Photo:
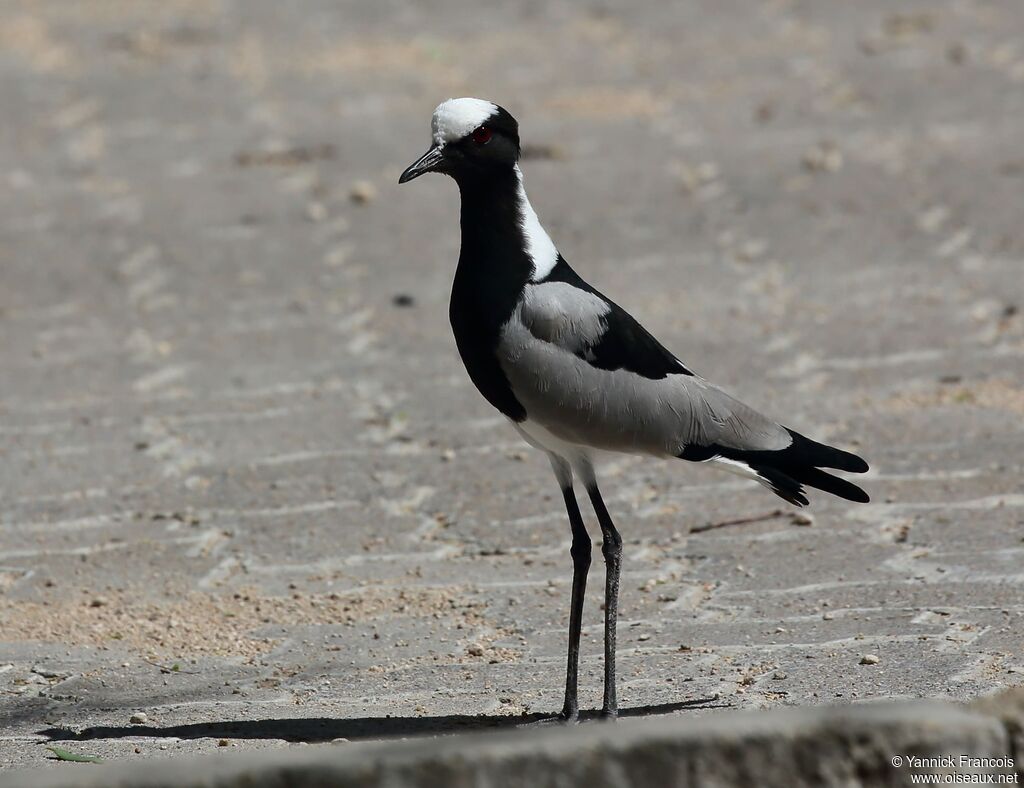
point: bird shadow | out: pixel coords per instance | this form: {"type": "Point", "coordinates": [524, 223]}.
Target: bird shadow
{"type": "Point", "coordinates": [324, 729]}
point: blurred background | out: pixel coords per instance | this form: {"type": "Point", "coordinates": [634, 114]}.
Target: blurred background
{"type": "Point", "coordinates": [246, 490]}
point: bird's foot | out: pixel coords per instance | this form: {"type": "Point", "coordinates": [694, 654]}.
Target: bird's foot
{"type": "Point", "coordinates": [609, 715]}
{"type": "Point", "coordinates": [566, 717]}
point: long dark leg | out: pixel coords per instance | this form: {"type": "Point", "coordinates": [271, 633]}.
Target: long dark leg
{"type": "Point", "coordinates": [580, 552]}
{"type": "Point", "coordinates": [611, 548]}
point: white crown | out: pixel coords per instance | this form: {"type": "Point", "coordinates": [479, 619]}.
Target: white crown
{"type": "Point", "coordinates": [455, 118]}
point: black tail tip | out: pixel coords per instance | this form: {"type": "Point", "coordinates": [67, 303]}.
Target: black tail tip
{"type": "Point", "coordinates": [795, 497]}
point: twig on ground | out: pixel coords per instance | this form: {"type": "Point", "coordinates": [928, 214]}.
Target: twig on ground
{"type": "Point", "coordinates": [699, 529]}
{"type": "Point", "coordinates": [175, 668]}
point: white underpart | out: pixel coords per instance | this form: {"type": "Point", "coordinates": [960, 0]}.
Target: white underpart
{"type": "Point", "coordinates": [539, 245]}
{"type": "Point", "coordinates": [579, 458]}
{"type": "Point", "coordinates": [455, 118]}
{"type": "Point", "coordinates": [740, 469]}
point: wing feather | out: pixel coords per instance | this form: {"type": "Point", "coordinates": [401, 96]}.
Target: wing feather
{"type": "Point", "coordinates": [591, 375]}
{"type": "Point", "coordinates": [606, 336]}
{"type": "Point", "coordinates": [557, 351]}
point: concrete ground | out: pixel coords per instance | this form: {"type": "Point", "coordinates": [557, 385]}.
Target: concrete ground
{"type": "Point", "coordinates": [247, 494]}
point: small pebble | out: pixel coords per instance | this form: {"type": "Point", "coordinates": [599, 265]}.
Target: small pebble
{"type": "Point", "coordinates": [824, 157]}
{"type": "Point", "coordinates": [475, 650]}
{"type": "Point", "coordinates": [827, 616]}
{"type": "Point", "coordinates": [644, 637]}
{"type": "Point", "coordinates": [869, 659]}
{"type": "Point", "coordinates": [316, 211]}
{"type": "Point", "coordinates": [222, 743]}
{"type": "Point", "coordinates": [751, 250]}
{"type": "Point", "coordinates": [779, 675]}
{"type": "Point", "coordinates": [363, 192]}
{"type": "Point", "coordinates": [802, 518]}
{"type": "Point", "coordinates": [956, 53]}
{"type": "Point", "coordinates": [138, 718]}
{"type": "Point", "coordinates": [932, 219]}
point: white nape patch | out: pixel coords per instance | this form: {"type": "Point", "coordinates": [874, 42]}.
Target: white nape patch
{"type": "Point", "coordinates": [539, 245]}
{"type": "Point", "coordinates": [455, 118]}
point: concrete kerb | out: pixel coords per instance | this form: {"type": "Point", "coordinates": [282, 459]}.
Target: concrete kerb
{"type": "Point", "coordinates": [829, 746]}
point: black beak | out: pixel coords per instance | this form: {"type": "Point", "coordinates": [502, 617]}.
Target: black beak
{"type": "Point", "coordinates": [428, 162]}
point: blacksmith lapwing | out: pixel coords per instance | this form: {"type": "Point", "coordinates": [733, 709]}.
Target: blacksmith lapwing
{"type": "Point", "coordinates": [576, 374]}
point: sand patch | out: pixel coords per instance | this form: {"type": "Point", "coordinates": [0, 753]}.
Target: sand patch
{"type": "Point", "coordinates": [194, 623]}
{"type": "Point", "coordinates": [992, 394]}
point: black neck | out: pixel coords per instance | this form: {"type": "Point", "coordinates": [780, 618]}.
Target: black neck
{"type": "Point", "coordinates": [493, 270]}
{"type": "Point", "coordinates": [492, 233]}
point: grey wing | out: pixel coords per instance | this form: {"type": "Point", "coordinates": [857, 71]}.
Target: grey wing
{"type": "Point", "coordinates": [548, 350]}
{"type": "Point", "coordinates": [718, 419]}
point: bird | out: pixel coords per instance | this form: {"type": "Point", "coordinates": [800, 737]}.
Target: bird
{"type": "Point", "coordinates": [577, 375]}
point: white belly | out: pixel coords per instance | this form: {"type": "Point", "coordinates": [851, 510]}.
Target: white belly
{"type": "Point", "coordinates": [541, 438]}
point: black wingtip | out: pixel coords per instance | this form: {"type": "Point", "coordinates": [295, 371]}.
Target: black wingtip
{"type": "Point", "coordinates": [856, 494]}
{"type": "Point", "coordinates": [855, 465]}
{"type": "Point", "coordinates": [789, 470]}
{"type": "Point", "coordinates": [786, 471]}
{"type": "Point", "coordinates": [805, 451]}
{"type": "Point", "coordinates": [819, 479]}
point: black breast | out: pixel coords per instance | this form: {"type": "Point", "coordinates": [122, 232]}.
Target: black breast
{"type": "Point", "coordinates": [493, 270]}
{"type": "Point", "coordinates": [477, 330]}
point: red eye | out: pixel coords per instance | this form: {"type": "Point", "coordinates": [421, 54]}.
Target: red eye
{"type": "Point", "coordinates": [482, 135]}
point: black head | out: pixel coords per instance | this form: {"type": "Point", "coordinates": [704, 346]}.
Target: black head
{"type": "Point", "coordinates": [472, 139]}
